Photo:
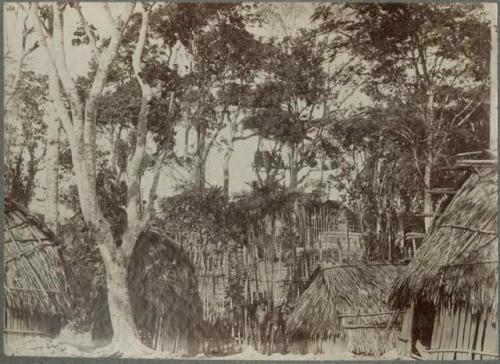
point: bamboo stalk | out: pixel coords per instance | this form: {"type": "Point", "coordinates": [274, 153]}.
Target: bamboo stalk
{"type": "Point", "coordinates": [469, 263]}
{"type": "Point", "coordinates": [361, 265]}
{"type": "Point", "coordinates": [477, 162]}
{"type": "Point", "coordinates": [489, 232]}
{"type": "Point", "coordinates": [462, 351]}
{"type": "Point", "coordinates": [442, 190]}
{"type": "Point", "coordinates": [369, 314]}
{"type": "Point", "coordinates": [364, 327]}
{"type": "Point", "coordinates": [25, 332]}
{"type": "Point", "coordinates": [32, 289]}
{"type": "Point", "coordinates": [469, 153]}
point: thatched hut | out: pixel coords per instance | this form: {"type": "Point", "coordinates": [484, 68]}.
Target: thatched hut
{"type": "Point", "coordinates": [164, 294]}
{"type": "Point", "coordinates": [37, 296]}
{"type": "Point", "coordinates": [449, 291]}
{"type": "Point", "coordinates": [345, 309]}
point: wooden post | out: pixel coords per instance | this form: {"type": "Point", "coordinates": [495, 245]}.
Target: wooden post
{"type": "Point", "coordinates": [245, 314]}
{"type": "Point", "coordinates": [405, 338]}
{"type": "Point", "coordinates": [348, 240]}
{"type": "Point", "coordinates": [494, 78]}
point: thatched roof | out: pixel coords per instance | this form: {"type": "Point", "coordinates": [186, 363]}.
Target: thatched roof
{"type": "Point", "coordinates": [36, 279]}
{"type": "Point", "coordinates": [457, 262]}
{"type": "Point", "coordinates": [163, 280]}
{"type": "Point", "coordinates": [339, 291]}
{"type": "Point", "coordinates": [164, 295]}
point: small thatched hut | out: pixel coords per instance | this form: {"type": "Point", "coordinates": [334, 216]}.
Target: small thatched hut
{"type": "Point", "coordinates": [37, 298]}
{"type": "Point", "coordinates": [345, 309]}
{"type": "Point", "coordinates": [449, 291]}
{"type": "Point", "coordinates": [164, 294]}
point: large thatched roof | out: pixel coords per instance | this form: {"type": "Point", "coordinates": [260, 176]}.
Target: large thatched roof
{"type": "Point", "coordinates": [340, 291]}
{"type": "Point", "coordinates": [457, 263]}
{"type": "Point", "coordinates": [163, 280]}
{"type": "Point", "coordinates": [36, 280]}
{"type": "Point", "coordinates": [164, 295]}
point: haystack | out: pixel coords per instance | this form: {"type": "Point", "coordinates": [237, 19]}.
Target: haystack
{"type": "Point", "coordinates": [455, 270]}
{"type": "Point", "coordinates": [164, 294]}
{"type": "Point", "coordinates": [346, 307]}
{"type": "Point", "coordinates": [37, 295]}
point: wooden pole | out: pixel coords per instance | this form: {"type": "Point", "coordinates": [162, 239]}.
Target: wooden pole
{"type": "Point", "coordinates": [404, 349]}
{"type": "Point", "coordinates": [494, 78]}
{"type": "Point", "coordinates": [461, 351]}
{"type": "Point", "coordinates": [245, 313]}
{"type": "Point", "coordinates": [370, 314]}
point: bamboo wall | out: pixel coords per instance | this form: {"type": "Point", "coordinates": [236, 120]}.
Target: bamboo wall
{"type": "Point", "coordinates": [363, 341]}
{"type": "Point", "coordinates": [20, 325]}
{"type": "Point", "coordinates": [459, 335]}
{"type": "Point", "coordinates": [269, 268]}
{"type": "Point", "coordinates": [319, 346]}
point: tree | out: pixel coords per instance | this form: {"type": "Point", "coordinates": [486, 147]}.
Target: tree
{"type": "Point", "coordinates": [52, 161]}
{"type": "Point", "coordinates": [223, 56]}
{"type": "Point", "coordinates": [25, 132]}
{"type": "Point", "coordinates": [429, 59]}
{"type": "Point", "coordinates": [17, 48]}
{"type": "Point", "coordinates": [300, 93]}
{"type": "Point", "coordinates": [235, 95]}
{"type": "Point", "coordinates": [374, 173]}
{"type": "Point", "coordinates": [79, 122]}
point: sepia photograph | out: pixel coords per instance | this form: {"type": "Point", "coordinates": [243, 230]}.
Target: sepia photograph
{"type": "Point", "coordinates": [250, 181]}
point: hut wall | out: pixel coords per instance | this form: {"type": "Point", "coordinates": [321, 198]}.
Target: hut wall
{"type": "Point", "coordinates": [174, 341]}
{"type": "Point", "coordinates": [371, 341]}
{"type": "Point", "coordinates": [317, 346]}
{"type": "Point", "coordinates": [212, 290]}
{"type": "Point", "coordinates": [18, 325]}
{"type": "Point", "coordinates": [458, 334]}
{"type": "Point", "coordinates": [365, 341]}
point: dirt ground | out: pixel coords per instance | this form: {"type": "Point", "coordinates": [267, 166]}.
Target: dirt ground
{"type": "Point", "coordinates": [72, 344]}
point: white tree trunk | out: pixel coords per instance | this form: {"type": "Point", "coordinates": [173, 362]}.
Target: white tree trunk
{"type": "Point", "coordinates": [52, 176]}
{"type": "Point", "coordinates": [227, 158]}
{"type": "Point", "coordinates": [225, 171]}
{"type": "Point", "coordinates": [199, 168]}
{"type": "Point", "coordinates": [80, 127]}
{"type": "Point", "coordinates": [494, 79]}
{"type": "Point", "coordinates": [294, 172]}
{"type": "Point", "coordinates": [428, 208]}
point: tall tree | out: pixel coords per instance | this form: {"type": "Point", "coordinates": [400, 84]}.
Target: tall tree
{"type": "Point", "coordinates": [222, 54]}
{"type": "Point", "coordinates": [299, 94]}
{"type": "Point", "coordinates": [52, 163]}
{"type": "Point", "coordinates": [430, 59]}
{"type": "Point", "coordinates": [375, 173]}
{"type": "Point", "coordinates": [79, 122]}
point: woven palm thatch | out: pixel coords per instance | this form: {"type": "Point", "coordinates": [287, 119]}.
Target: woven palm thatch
{"type": "Point", "coordinates": [457, 263]}
{"type": "Point", "coordinates": [164, 295]}
{"type": "Point", "coordinates": [36, 277]}
{"type": "Point", "coordinates": [341, 291]}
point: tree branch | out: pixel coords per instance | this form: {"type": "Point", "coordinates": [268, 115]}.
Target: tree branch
{"type": "Point", "coordinates": [466, 117]}
{"type": "Point", "coordinates": [10, 93]}
{"type": "Point", "coordinates": [90, 33]}
{"type": "Point", "coordinates": [244, 137]}
{"type": "Point", "coordinates": [134, 203]}
{"type": "Point", "coordinates": [154, 186]}
{"type": "Point", "coordinates": [60, 54]}
{"type": "Point", "coordinates": [110, 16]}
{"type": "Point", "coordinates": [140, 148]}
